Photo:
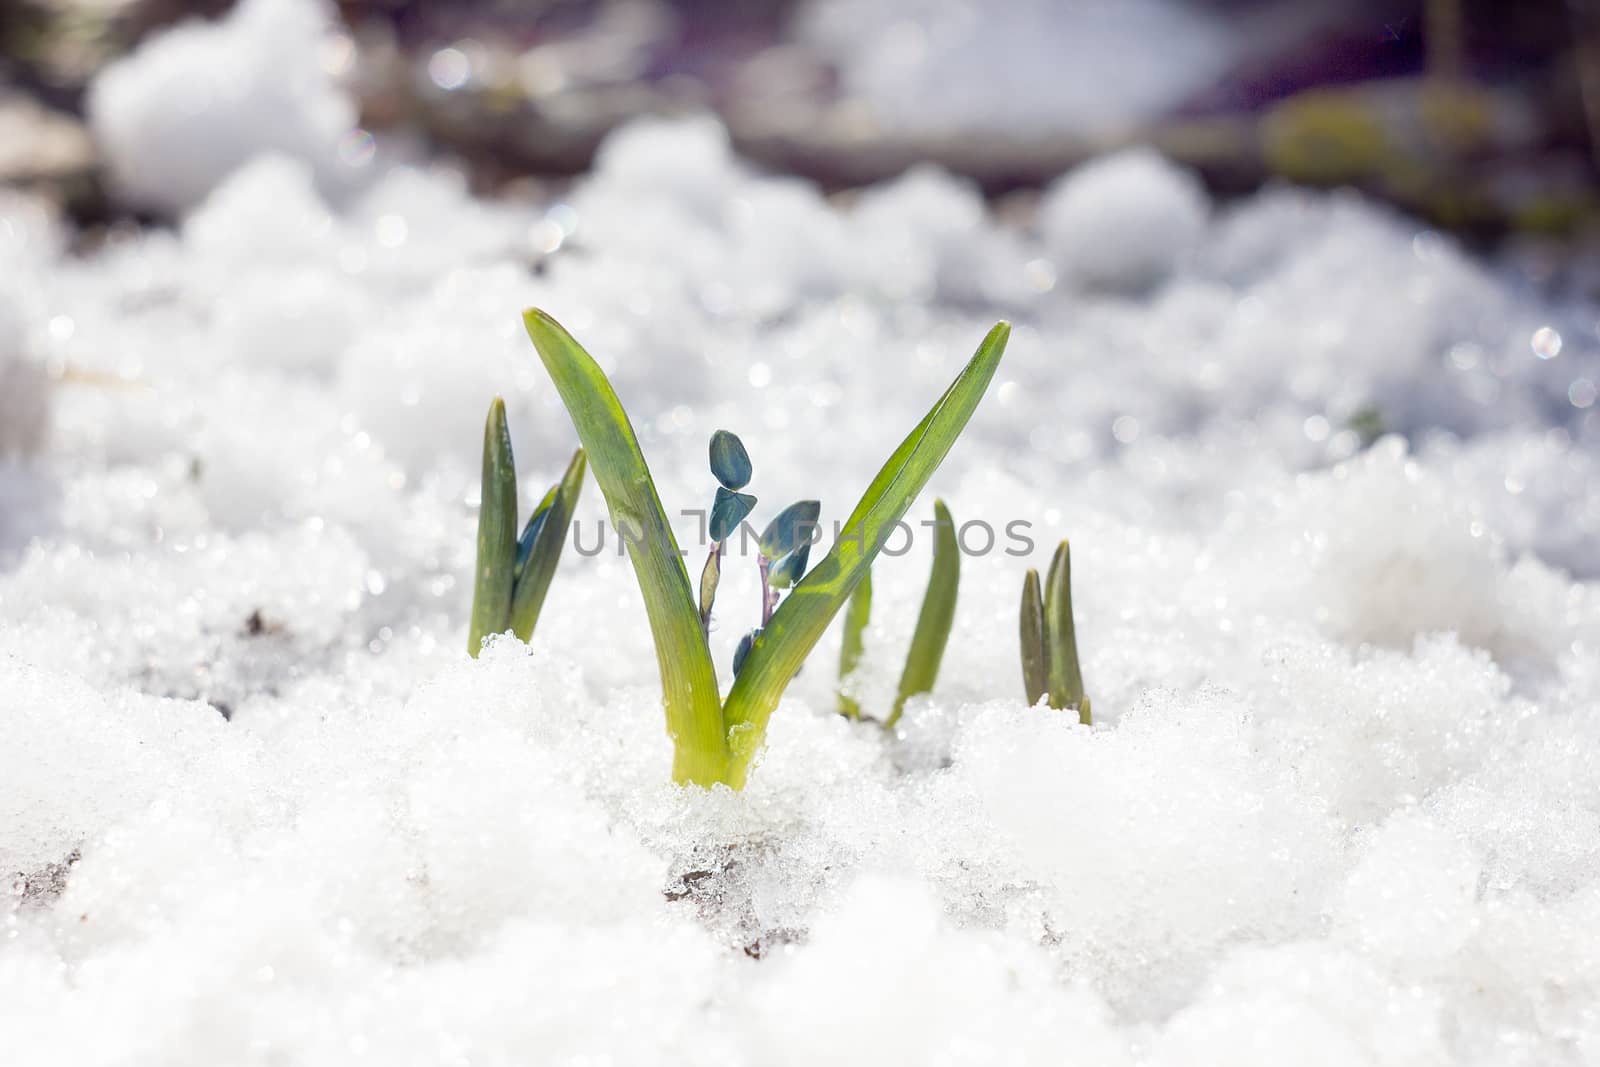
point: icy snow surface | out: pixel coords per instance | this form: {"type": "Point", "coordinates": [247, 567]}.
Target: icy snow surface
{"type": "Point", "coordinates": [1341, 804]}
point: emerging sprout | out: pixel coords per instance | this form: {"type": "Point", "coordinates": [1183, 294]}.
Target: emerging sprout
{"type": "Point", "coordinates": [513, 573]}
{"type": "Point", "coordinates": [497, 533]}
{"type": "Point", "coordinates": [932, 634]}
{"type": "Point", "coordinates": [1035, 656]}
{"type": "Point", "coordinates": [934, 620]}
{"type": "Point", "coordinates": [1049, 639]}
{"type": "Point", "coordinates": [717, 740]}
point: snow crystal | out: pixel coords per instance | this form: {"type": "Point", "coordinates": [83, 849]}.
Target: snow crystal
{"type": "Point", "coordinates": [1330, 514]}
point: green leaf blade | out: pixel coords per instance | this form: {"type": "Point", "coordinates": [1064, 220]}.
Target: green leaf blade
{"type": "Point", "coordinates": [938, 614]}
{"type": "Point", "coordinates": [497, 533]}
{"type": "Point", "coordinates": [1035, 658]}
{"type": "Point", "coordinates": [688, 680]}
{"type": "Point", "coordinates": [1065, 676]}
{"type": "Point", "coordinates": [549, 538]}
{"type": "Point", "coordinates": [856, 617]}
{"type": "Point", "coordinates": [800, 621]}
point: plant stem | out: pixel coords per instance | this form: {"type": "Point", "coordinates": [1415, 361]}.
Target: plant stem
{"type": "Point", "coordinates": [769, 595]}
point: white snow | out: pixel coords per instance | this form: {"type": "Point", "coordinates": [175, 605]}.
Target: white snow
{"type": "Point", "coordinates": [1124, 221]}
{"type": "Point", "coordinates": [1032, 68]}
{"type": "Point", "coordinates": [1341, 804]}
{"type": "Point", "coordinates": [187, 108]}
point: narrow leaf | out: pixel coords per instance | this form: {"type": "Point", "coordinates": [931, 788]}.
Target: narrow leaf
{"type": "Point", "coordinates": [805, 614]}
{"type": "Point", "coordinates": [1035, 660]}
{"type": "Point", "coordinates": [1066, 681]}
{"type": "Point", "coordinates": [688, 681]}
{"type": "Point", "coordinates": [710, 577]}
{"type": "Point", "coordinates": [856, 617]}
{"type": "Point", "coordinates": [794, 525]}
{"type": "Point", "coordinates": [497, 533]}
{"type": "Point", "coordinates": [791, 568]}
{"type": "Point", "coordinates": [934, 620]}
{"type": "Point", "coordinates": [728, 511]}
{"type": "Point", "coordinates": [550, 537]}
{"type": "Point", "coordinates": [729, 461]}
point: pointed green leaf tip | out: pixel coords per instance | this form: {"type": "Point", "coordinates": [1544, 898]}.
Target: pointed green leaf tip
{"type": "Point", "coordinates": [728, 511]}
{"type": "Point", "coordinates": [936, 617]}
{"type": "Point", "coordinates": [794, 525]}
{"type": "Point", "coordinates": [497, 533]}
{"type": "Point", "coordinates": [1035, 659]}
{"type": "Point", "coordinates": [729, 461]}
{"type": "Point", "coordinates": [1065, 678]}
{"type": "Point", "coordinates": [688, 679]}
{"type": "Point", "coordinates": [549, 536]}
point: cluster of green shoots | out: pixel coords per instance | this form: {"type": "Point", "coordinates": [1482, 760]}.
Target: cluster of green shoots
{"type": "Point", "coordinates": [717, 736]}
{"type": "Point", "coordinates": [1049, 639]}
{"type": "Point", "coordinates": [513, 573]}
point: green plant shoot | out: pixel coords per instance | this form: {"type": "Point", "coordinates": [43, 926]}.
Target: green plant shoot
{"type": "Point", "coordinates": [497, 533]}
{"type": "Point", "coordinates": [716, 741]}
{"type": "Point", "coordinates": [688, 680]}
{"type": "Point", "coordinates": [1049, 639]}
{"type": "Point", "coordinates": [938, 612]}
{"type": "Point", "coordinates": [513, 574]}
{"type": "Point", "coordinates": [1035, 652]}
{"type": "Point", "coordinates": [799, 622]}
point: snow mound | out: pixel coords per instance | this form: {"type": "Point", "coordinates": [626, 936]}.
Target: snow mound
{"type": "Point", "coordinates": [186, 109]}
{"type": "Point", "coordinates": [1124, 221]}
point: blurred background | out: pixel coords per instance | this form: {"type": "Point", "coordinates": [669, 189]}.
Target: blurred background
{"type": "Point", "coordinates": [1480, 116]}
